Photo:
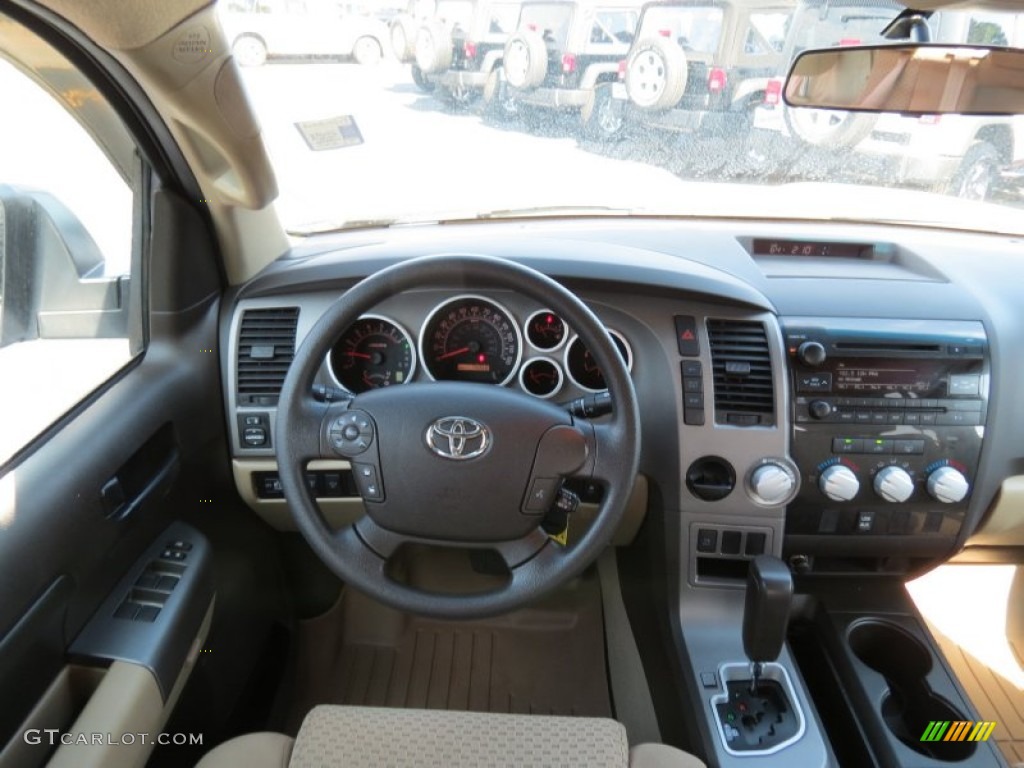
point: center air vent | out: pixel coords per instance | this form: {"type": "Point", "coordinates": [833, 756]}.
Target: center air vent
{"type": "Point", "coordinates": [742, 371]}
{"type": "Point", "coordinates": [266, 346]}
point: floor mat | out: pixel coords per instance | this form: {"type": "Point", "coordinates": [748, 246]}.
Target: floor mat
{"type": "Point", "coordinates": [964, 607]}
{"type": "Point", "coordinates": [993, 696]}
{"type": "Point", "coordinates": [548, 659]}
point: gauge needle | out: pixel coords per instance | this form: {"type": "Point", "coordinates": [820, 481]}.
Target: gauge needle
{"type": "Point", "coordinates": [358, 354]}
{"type": "Point", "coordinates": [453, 353]}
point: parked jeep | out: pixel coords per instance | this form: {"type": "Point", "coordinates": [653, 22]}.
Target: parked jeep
{"type": "Point", "coordinates": [403, 27]}
{"type": "Point", "coordinates": [704, 64]}
{"type": "Point", "coordinates": [424, 34]}
{"type": "Point", "coordinates": [565, 55]}
{"type": "Point", "coordinates": [948, 154]}
{"type": "Point", "coordinates": [464, 61]}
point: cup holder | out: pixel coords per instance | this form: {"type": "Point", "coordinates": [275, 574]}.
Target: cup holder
{"type": "Point", "coordinates": [891, 651]}
{"type": "Point", "coordinates": [910, 704]}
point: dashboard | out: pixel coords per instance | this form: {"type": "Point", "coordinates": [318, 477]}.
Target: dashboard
{"type": "Point", "coordinates": [827, 394]}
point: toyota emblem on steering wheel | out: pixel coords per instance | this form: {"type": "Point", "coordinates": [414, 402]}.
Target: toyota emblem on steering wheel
{"type": "Point", "coordinates": [458, 438]}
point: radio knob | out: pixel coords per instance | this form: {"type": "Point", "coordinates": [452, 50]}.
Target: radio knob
{"type": "Point", "coordinates": [894, 484]}
{"type": "Point", "coordinates": [820, 409]}
{"type": "Point", "coordinates": [772, 484]}
{"type": "Point", "coordinates": [948, 485]}
{"type": "Point", "coordinates": [839, 483]}
{"type": "Point", "coordinates": [811, 353]}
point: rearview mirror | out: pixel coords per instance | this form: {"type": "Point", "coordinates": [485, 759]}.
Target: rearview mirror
{"type": "Point", "coordinates": [910, 79]}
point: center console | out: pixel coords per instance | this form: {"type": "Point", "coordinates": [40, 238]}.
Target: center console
{"type": "Point", "coordinates": [888, 422]}
{"type": "Point", "coordinates": [883, 432]}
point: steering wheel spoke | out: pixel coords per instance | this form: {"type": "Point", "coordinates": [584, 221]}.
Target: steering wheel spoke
{"type": "Point", "coordinates": [518, 552]}
{"type": "Point", "coordinates": [377, 539]}
{"type": "Point", "coordinates": [302, 429]}
{"type": "Point", "coordinates": [604, 462]}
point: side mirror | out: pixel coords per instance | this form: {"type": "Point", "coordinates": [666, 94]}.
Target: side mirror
{"type": "Point", "coordinates": [51, 273]}
{"type": "Point", "coordinates": [909, 79]}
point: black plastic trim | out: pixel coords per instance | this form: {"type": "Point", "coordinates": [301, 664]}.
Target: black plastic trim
{"type": "Point", "coordinates": [161, 645]}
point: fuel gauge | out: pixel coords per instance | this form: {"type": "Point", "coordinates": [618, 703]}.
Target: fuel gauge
{"type": "Point", "coordinates": [545, 330]}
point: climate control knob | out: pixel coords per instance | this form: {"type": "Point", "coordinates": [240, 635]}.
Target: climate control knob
{"type": "Point", "coordinates": [839, 483]}
{"type": "Point", "coordinates": [894, 484]}
{"type": "Point", "coordinates": [948, 485]}
{"type": "Point", "coordinates": [772, 484]}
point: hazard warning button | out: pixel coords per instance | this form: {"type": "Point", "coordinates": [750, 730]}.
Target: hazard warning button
{"type": "Point", "coordinates": [686, 335]}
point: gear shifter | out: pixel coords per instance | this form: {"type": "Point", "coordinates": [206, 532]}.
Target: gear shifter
{"type": "Point", "coordinates": [765, 612]}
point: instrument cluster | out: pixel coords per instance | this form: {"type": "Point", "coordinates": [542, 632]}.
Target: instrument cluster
{"type": "Point", "coordinates": [470, 338]}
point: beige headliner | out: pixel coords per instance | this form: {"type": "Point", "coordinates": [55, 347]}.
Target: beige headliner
{"type": "Point", "coordinates": [125, 24]}
{"type": "Point", "coordinates": [178, 53]}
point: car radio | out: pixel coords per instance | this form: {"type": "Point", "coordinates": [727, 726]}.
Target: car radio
{"type": "Point", "coordinates": [888, 421]}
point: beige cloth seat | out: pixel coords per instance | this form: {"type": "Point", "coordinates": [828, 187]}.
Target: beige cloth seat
{"type": "Point", "coordinates": [369, 737]}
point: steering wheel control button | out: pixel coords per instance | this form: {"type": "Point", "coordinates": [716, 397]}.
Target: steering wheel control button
{"type": "Point", "coordinates": [686, 335]}
{"type": "Point", "coordinates": [368, 482]}
{"type": "Point", "coordinates": [458, 438]}
{"type": "Point", "coordinates": [542, 494]}
{"type": "Point", "coordinates": [351, 433]}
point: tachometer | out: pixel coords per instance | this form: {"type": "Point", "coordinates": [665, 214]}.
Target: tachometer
{"type": "Point", "coordinates": [372, 352]}
{"type": "Point", "coordinates": [470, 338]}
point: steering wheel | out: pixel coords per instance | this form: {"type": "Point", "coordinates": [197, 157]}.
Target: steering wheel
{"type": "Point", "coordinates": [455, 464]}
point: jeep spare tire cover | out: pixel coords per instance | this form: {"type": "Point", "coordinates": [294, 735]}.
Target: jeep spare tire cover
{"type": "Point", "coordinates": [403, 37]}
{"type": "Point", "coordinates": [829, 127]}
{"type": "Point", "coordinates": [656, 73]}
{"type": "Point", "coordinates": [434, 47]}
{"type": "Point", "coordinates": [525, 59]}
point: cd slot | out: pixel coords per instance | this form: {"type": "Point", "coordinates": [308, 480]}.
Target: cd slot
{"type": "Point", "coordinates": [869, 347]}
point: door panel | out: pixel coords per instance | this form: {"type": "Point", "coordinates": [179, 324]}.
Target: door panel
{"type": "Point", "coordinates": [60, 552]}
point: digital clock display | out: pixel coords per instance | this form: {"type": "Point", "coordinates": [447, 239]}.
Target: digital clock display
{"type": "Point", "coordinates": [811, 249]}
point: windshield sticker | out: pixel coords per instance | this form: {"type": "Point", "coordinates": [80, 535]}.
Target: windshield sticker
{"type": "Point", "coordinates": [332, 133]}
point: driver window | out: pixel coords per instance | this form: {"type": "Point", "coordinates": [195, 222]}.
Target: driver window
{"type": "Point", "coordinates": [66, 218]}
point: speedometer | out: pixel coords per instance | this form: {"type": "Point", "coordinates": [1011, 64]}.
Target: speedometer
{"type": "Point", "coordinates": [471, 338]}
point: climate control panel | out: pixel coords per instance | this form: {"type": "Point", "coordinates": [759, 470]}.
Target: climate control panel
{"type": "Point", "coordinates": [888, 424]}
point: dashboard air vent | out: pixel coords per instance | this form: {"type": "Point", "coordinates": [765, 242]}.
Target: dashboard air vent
{"type": "Point", "coordinates": [742, 369]}
{"type": "Point", "coordinates": [266, 346]}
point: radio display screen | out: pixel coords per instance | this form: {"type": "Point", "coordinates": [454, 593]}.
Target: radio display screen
{"type": "Point", "coordinates": [867, 375]}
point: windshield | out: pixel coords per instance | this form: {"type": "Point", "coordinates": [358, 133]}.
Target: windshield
{"type": "Point", "coordinates": [377, 115]}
